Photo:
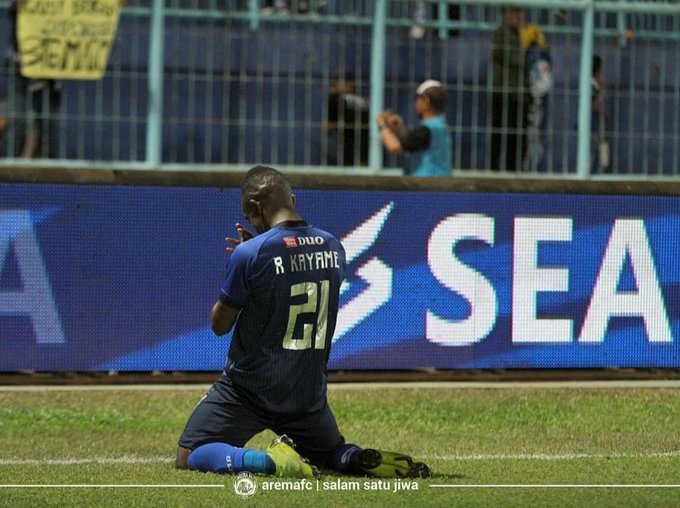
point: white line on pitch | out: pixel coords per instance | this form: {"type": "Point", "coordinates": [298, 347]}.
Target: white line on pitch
{"type": "Point", "coordinates": [110, 486]}
{"type": "Point", "coordinates": [106, 388]}
{"type": "Point", "coordinates": [486, 385]}
{"type": "Point", "coordinates": [86, 460]}
{"type": "Point", "coordinates": [560, 486]}
{"type": "Point", "coordinates": [558, 456]}
{"type": "Point", "coordinates": [158, 460]}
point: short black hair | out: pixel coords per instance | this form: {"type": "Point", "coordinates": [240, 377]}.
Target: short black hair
{"type": "Point", "coordinates": [263, 183]}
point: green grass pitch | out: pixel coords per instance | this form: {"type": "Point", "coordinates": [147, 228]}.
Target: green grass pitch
{"type": "Point", "coordinates": [491, 447]}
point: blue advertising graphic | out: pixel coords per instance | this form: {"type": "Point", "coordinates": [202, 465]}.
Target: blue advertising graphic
{"type": "Point", "coordinates": [111, 277]}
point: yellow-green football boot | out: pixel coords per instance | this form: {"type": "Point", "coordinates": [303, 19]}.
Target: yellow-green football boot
{"type": "Point", "coordinates": [382, 464]}
{"type": "Point", "coordinates": [288, 462]}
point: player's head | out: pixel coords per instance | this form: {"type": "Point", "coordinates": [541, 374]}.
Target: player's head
{"type": "Point", "coordinates": [430, 98]}
{"type": "Point", "coordinates": [264, 193]}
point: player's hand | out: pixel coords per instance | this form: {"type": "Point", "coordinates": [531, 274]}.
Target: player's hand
{"type": "Point", "coordinates": [243, 236]}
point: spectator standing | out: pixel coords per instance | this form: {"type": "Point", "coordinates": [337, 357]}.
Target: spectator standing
{"type": "Point", "coordinates": [17, 135]}
{"type": "Point", "coordinates": [417, 30]}
{"type": "Point", "coordinates": [509, 100]}
{"type": "Point", "coordinates": [538, 67]}
{"type": "Point", "coordinates": [428, 146]}
{"type": "Point", "coordinates": [33, 103]}
{"type": "Point", "coordinates": [599, 146]}
{"type": "Point", "coordinates": [347, 126]}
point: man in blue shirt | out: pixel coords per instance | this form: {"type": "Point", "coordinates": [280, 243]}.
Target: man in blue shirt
{"type": "Point", "coordinates": [428, 146]}
{"type": "Point", "coordinates": [281, 292]}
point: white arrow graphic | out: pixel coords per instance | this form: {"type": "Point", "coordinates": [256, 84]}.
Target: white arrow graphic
{"type": "Point", "coordinates": [375, 272]}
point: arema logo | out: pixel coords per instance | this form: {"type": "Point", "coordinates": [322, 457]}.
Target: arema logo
{"type": "Point", "coordinates": [245, 484]}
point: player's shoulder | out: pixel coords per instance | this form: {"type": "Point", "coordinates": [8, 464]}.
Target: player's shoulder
{"type": "Point", "coordinates": [322, 233]}
{"type": "Point", "coordinates": [267, 243]}
{"type": "Point", "coordinates": [289, 236]}
{"type": "Point", "coordinates": [302, 228]}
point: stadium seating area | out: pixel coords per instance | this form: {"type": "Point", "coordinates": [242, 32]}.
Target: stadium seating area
{"type": "Point", "coordinates": [234, 95]}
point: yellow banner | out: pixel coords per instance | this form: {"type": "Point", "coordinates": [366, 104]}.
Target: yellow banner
{"type": "Point", "coordinates": [66, 39]}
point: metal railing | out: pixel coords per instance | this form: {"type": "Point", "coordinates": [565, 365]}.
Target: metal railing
{"type": "Point", "coordinates": [223, 84]}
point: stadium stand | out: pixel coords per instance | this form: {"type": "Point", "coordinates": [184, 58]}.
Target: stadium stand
{"type": "Point", "coordinates": [241, 87]}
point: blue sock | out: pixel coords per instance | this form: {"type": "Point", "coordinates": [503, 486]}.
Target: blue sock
{"type": "Point", "coordinates": [344, 458]}
{"type": "Point", "coordinates": [257, 461]}
{"type": "Point", "coordinates": [224, 458]}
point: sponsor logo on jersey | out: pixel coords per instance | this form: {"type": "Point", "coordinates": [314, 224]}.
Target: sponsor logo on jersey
{"type": "Point", "coordinates": [296, 241]}
{"type": "Point", "coordinates": [290, 241]}
{"type": "Point", "coordinates": [310, 240]}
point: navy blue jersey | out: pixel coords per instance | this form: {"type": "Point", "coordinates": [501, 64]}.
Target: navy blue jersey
{"type": "Point", "coordinates": [286, 282]}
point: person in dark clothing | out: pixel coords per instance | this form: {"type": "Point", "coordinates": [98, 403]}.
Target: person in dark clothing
{"type": "Point", "coordinates": [347, 127]}
{"type": "Point", "coordinates": [510, 99]}
{"type": "Point", "coordinates": [599, 146]}
{"type": "Point", "coordinates": [280, 295]}
{"type": "Point", "coordinates": [32, 104]}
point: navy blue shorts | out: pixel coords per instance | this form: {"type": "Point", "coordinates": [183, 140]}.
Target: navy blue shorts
{"type": "Point", "coordinates": [221, 417]}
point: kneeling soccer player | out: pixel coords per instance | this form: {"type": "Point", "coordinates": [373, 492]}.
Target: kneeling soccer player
{"type": "Point", "coordinates": [281, 290]}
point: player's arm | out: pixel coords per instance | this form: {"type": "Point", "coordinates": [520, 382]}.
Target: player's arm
{"type": "Point", "coordinates": [235, 289]}
{"type": "Point", "coordinates": [222, 318]}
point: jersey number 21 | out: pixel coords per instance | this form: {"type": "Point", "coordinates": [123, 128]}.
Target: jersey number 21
{"type": "Point", "coordinates": [317, 303]}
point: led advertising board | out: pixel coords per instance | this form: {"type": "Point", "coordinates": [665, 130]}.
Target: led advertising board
{"type": "Point", "coordinates": [123, 277]}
